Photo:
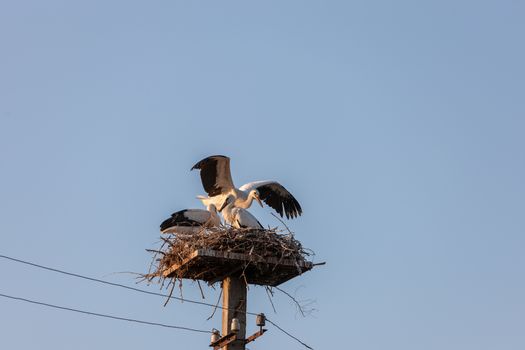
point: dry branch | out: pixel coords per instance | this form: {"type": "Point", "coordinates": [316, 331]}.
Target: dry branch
{"type": "Point", "coordinates": [261, 246]}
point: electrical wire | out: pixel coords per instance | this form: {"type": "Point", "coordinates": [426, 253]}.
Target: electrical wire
{"type": "Point", "coordinates": [288, 334]}
{"type": "Point", "coordinates": [117, 284]}
{"type": "Point", "coordinates": [103, 315]}
{"type": "Point", "coordinates": [133, 289]}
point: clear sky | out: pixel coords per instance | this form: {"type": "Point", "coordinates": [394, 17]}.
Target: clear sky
{"type": "Point", "coordinates": [399, 126]}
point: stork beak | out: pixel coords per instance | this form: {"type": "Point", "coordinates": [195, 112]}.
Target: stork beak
{"type": "Point", "coordinates": [259, 201]}
{"type": "Point", "coordinates": [226, 202]}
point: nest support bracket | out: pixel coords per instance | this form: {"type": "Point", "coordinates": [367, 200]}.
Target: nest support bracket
{"type": "Point", "coordinates": [213, 266]}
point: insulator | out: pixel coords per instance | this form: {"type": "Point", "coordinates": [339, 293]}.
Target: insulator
{"type": "Point", "coordinates": [215, 335]}
{"type": "Point", "coordinates": [260, 320]}
{"type": "Point", "coordinates": [235, 326]}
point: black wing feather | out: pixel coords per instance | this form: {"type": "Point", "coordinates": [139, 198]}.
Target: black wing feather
{"type": "Point", "coordinates": [283, 205]}
{"type": "Point", "coordinates": [178, 219]}
{"type": "Point", "coordinates": [208, 172]}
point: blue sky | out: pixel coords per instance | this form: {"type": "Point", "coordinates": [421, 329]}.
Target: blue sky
{"type": "Point", "coordinates": [398, 126]}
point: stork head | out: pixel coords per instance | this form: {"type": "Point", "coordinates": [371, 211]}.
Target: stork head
{"type": "Point", "coordinates": [211, 208]}
{"type": "Point", "coordinates": [255, 195]}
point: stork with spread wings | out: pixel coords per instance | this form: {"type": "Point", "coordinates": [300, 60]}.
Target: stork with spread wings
{"type": "Point", "coordinates": [217, 182]}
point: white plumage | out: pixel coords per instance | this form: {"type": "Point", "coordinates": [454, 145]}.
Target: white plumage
{"type": "Point", "coordinates": [217, 182]}
{"type": "Point", "coordinates": [238, 217]}
{"type": "Point", "coordinates": [189, 221]}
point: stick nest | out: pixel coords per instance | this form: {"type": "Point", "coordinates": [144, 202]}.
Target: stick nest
{"type": "Point", "coordinates": [265, 243]}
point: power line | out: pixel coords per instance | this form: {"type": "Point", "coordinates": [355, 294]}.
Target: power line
{"type": "Point", "coordinates": [115, 284]}
{"type": "Point", "coordinates": [136, 290]}
{"type": "Point", "coordinates": [288, 334]}
{"type": "Point", "coordinates": [103, 315]}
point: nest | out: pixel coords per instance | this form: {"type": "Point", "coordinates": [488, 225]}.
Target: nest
{"type": "Point", "coordinates": [263, 253]}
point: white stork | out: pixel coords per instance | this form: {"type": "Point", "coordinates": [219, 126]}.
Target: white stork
{"type": "Point", "coordinates": [238, 217]}
{"type": "Point", "coordinates": [190, 221]}
{"type": "Point", "coordinates": [217, 182]}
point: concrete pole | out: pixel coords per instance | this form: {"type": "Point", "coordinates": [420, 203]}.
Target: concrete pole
{"type": "Point", "coordinates": [234, 293]}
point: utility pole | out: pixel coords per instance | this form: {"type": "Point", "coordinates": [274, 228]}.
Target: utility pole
{"type": "Point", "coordinates": [234, 293]}
{"type": "Point", "coordinates": [213, 266]}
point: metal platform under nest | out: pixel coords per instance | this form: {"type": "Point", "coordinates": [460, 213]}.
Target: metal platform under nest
{"type": "Point", "coordinates": [214, 266]}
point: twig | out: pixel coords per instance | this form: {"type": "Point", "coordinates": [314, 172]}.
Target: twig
{"type": "Point", "coordinates": [297, 304]}
{"type": "Point", "coordinates": [170, 293]}
{"type": "Point", "coordinates": [275, 243]}
{"type": "Point", "coordinates": [180, 289]}
{"type": "Point", "coordinates": [216, 305]}
{"type": "Point", "coordinates": [202, 293]}
{"type": "Point", "coordinates": [270, 298]}
{"type": "Point", "coordinates": [302, 306]}
{"type": "Point", "coordinates": [282, 222]}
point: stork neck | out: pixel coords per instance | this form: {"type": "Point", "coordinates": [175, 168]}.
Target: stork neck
{"type": "Point", "coordinates": [246, 202]}
{"type": "Point", "coordinates": [227, 212]}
